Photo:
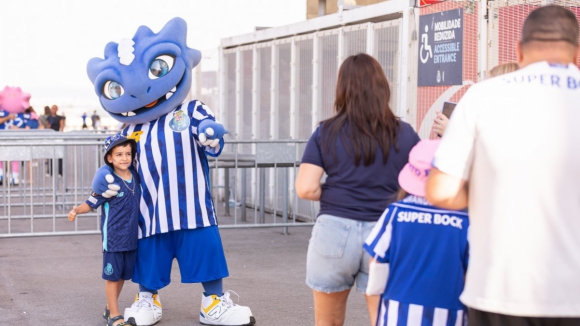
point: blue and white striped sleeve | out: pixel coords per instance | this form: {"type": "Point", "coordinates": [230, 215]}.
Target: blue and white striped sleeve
{"type": "Point", "coordinates": [203, 112]}
{"type": "Point", "coordinates": [379, 240]}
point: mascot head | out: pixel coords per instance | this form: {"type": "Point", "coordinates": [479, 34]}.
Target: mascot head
{"type": "Point", "coordinates": [13, 100]}
{"type": "Point", "coordinates": [146, 77]}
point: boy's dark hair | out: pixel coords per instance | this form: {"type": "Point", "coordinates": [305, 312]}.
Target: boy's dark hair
{"type": "Point", "coordinates": [131, 143]}
{"type": "Point", "coordinates": [550, 24]}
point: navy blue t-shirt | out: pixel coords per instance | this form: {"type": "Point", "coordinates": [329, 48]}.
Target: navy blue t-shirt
{"type": "Point", "coordinates": [120, 215]}
{"type": "Point", "coordinates": [359, 192]}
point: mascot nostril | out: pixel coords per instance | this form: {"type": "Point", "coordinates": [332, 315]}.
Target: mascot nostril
{"type": "Point", "coordinates": [173, 140]}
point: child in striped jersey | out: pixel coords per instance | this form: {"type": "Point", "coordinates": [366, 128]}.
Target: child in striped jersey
{"type": "Point", "coordinates": [426, 249]}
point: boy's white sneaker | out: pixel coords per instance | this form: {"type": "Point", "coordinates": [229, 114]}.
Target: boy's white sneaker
{"type": "Point", "coordinates": [223, 311]}
{"type": "Point", "coordinates": [146, 309]}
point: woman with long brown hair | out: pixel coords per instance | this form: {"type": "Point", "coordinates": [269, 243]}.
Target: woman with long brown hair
{"type": "Point", "coordinates": [362, 149]}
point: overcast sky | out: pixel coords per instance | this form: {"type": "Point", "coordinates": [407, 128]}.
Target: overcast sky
{"type": "Point", "coordinates": [45, 45]}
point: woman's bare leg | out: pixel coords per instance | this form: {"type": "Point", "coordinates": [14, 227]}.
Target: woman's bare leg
{"type": "Point", "coordinates": [330, 308]}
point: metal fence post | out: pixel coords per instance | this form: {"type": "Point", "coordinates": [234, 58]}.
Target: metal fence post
{"type": "Point", "coordinates": [243, 200]}
{"type": "Point", "coordinates": [54, 187]}
{"type": "Point", "coordinates": [227, 190]}
{"type": "Point", "coordinates": [371, 40]}
{"type": "Point", "coordinates": [340, 55]}
{"type": "Point", "coordinates": [285, 201]}
{"type": "Point", "coordinates": [262, 193]}
{"type": "Point", "coordinates": [316, 80]}
{"type": "Point", "coordinates": [483, 45]}
{"type": "Point", "coordinates": [404, 50]}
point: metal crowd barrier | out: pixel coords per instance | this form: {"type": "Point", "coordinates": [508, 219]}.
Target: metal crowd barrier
{"type": "Point", "coordinates": [252, 183]}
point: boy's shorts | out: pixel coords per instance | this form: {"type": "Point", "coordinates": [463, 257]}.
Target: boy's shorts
{"type": "Point", "coordinates": [118, 265]}
{"type": "Point", "coordinates": [199, 253]}
{"type": "Point", "coordinates": [336, 258]}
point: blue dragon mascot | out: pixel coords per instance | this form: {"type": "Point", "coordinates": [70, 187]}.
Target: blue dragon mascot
{"type": "Point", "coordinates": [143, 82]}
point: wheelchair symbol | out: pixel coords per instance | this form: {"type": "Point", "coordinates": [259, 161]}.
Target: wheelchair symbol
{"type": "Point", "coordinates": [425, 46]}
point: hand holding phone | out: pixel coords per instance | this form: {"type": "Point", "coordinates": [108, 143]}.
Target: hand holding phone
{"type": "Point", "coordinates": [440, 123]}
{"type": "Point", "coordinates": [443, 117]}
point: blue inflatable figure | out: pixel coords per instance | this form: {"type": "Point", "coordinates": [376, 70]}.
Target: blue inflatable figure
{"type": "Point", "coordinates": [143, 83]}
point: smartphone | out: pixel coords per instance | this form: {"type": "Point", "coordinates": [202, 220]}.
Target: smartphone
{"type": "Point", "coordinates": [448, 108]}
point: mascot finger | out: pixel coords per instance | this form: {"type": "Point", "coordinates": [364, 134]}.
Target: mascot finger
{"type": "Point", "coordinates": [202, 138]}
{"type": "Point", "coordinates": [209, 132]}
{"type": "Point", "coordinates": [109, 178]}
{"type": "Point", "coordinates": [114, 187]}
{"type": "Point", "coordinates": [110, 193]}
{"type": "Point", "coordinates": [214, 143]}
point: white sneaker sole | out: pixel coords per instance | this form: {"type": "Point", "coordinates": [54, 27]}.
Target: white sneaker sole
{"type": "Point", "coordinates": [141, 319]}
{"type": "Point", "coordinates": [207, 322]}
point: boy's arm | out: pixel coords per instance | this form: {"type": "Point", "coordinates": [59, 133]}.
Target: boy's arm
{"type": "Point", "coordinates": [81, 209]}
{"type": "Point", "coordinates": [93, 202]}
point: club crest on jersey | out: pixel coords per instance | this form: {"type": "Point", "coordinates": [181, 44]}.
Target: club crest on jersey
{"type": "Point", "coordinates": [179, 122]}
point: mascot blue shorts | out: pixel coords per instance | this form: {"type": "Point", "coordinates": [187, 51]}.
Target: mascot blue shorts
{"type": "Point", "coordinates": [143, 83]}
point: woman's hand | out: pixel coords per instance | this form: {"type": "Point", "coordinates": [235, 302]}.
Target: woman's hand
{"type": "Point", "coordinates": [440, 123]}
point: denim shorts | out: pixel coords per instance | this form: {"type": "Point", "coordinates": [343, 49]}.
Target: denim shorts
{"type": "Point", "coordinates": [336, 257]}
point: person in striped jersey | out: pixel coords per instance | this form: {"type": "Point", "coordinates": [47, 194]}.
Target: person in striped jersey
{"type": "Point", "coordinates": [426, 249]}
{"type": "Point", "coordinates": [143, 83]}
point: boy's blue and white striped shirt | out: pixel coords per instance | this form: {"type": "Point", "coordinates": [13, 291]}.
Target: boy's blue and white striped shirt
{"type": "Point", "coordinates": [394, 313]}
{"type": "Point", "coordinates": [174, 171]}
{"type": "Point", "coordinates": [427, 251]}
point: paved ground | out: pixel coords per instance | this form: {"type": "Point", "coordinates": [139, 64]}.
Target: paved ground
{"type": "Point", "coordinates": [56, 281]}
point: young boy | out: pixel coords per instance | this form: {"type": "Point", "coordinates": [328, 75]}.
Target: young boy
{"type": "Point", "coordinates": [119, 223]}
{"type": "Point", "coordinates": [427, 251]}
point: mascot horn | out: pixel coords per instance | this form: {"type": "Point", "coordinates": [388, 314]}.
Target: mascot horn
{"type": "Point", "coordinates": [143, 83]}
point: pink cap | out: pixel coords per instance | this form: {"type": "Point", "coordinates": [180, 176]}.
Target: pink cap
{"type": "Point", "coordinates": [414, 175]}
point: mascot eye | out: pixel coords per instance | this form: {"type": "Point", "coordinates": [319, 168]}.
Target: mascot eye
{"type": "Point", "coordinates": [112, 90]}
{"type": "Point", "coordinates": [161, 66]}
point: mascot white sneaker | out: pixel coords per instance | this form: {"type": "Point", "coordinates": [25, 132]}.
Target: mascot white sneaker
{"type": "Point", "coordinates": [146, 310]}
{"type": "Point", "coordinates": [222, 311]}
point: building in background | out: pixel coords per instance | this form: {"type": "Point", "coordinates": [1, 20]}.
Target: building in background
{"type": "Point", "coordinates": [317, 8]}
{"type": "Point", "coordinates": [279, 83]}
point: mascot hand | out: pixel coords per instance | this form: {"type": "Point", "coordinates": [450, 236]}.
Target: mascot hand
{"type": "Point", "coordinates": [210, 132]}
{"type": "Point", "coordinates": [103, 182]}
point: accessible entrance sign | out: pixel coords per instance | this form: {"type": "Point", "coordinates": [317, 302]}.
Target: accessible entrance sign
{"type": "Point", "coordinates": [441, 48]}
